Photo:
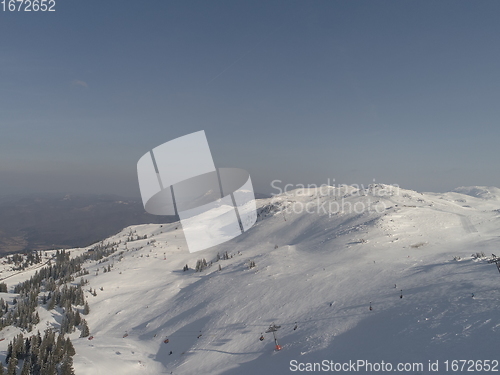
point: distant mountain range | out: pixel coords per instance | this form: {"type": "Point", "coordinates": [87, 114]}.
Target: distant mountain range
{"type": "Point", "coordinates": [50, 221]}
{"type": "Point", "coordinates": [56, 221]}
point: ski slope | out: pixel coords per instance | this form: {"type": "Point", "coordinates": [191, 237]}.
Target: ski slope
{"type": "Point", "coordinates": [316, 271]}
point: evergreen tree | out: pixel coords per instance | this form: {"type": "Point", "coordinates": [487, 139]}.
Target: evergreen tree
{"type": "Point", "coordinates": [67, 366]}
{"type": "Point", "coordinates": [26, 366]}
{"type": "Point", "coordinates": [12, 367]}
{"type": "Point", "coordinates": [84, 328]}
{"type": "Point", "coordinates": [52, 302]}
{"type": "Point", "coordinates": [9, 353]}
{"type": "Point", "coordinates": [69, 348]}
{"type": "Point", "coordinates": [59, 349]}
{"type": "Point", "coordinates": [50, 365]}
{"type": "Point", "coordinates": [27, 347]}
{"type": "Point", "coordinates": [36, 318]}
{"type": "Point", "coordinates": [65, 325]}
{"type": "Point", "coordinates": [77, 319]}
{"type": "Point", "coordinates": [86, 308]}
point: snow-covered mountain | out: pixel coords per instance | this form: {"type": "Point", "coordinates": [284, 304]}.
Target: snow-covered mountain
{"type": "Point", "coordinates": [322, 258]}
{"type": "Point", "coordinates": [485, 192]}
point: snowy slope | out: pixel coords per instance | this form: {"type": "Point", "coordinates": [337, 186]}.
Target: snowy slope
{"type": "Point", "coordinates": [485, 192]}
{"type": "Point", "coordinates": [323, 274]}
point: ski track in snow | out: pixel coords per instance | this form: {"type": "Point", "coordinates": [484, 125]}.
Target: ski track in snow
{"type": "Point", "coordinates": [468, 227]}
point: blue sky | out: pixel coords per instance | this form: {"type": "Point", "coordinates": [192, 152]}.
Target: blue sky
{"type": "Point", "coordinates": [402, 92]}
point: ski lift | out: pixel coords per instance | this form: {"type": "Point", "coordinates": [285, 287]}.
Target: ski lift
{"type": "Point", "coordinates": [273, 328]}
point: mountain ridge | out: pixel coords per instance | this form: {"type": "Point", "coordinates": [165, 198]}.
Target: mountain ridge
{"type": "Point", "coordinates": [319, 272]}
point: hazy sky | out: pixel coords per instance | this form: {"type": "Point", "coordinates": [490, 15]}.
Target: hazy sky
{"type": "Point", "coordinates": [403, 92]}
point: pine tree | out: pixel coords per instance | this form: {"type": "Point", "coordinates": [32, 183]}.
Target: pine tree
{"type": "Point", "coordinates": [26, 366]}
{"type": "Point", "coordinates": [18, 346]}
{"type": "Point", "coordinates": [77, 319]}
{"type": "Point", "coordinates": [36, 318]}
{"type": "Point", "coordinates": [86, 308]}
{"type": "Point", "coordinates": [84, 328]}
{"type": "Point", "coordinates": [50, 365]}
{"type": "Point", "coordinates": [65, 325]}
{"type": "Point", "coordinates": [34, 355]}
{"type": "Point", "coordinates": [27, 347]}
{"type": "Point", "coordinates": [9, 353]}
{"type": "Point", "coordinates": [69, 348]}
{"type": "Point", "coordinates": [59, 349]}
{"type": "Point", "coordinates": [52, 302]}
{"type": "Point", "coordinates": [2, 369]}
{"type": "Point", "coordinates": [67, 366]}
{"type": "Point", "coordinates": [12, 367]}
